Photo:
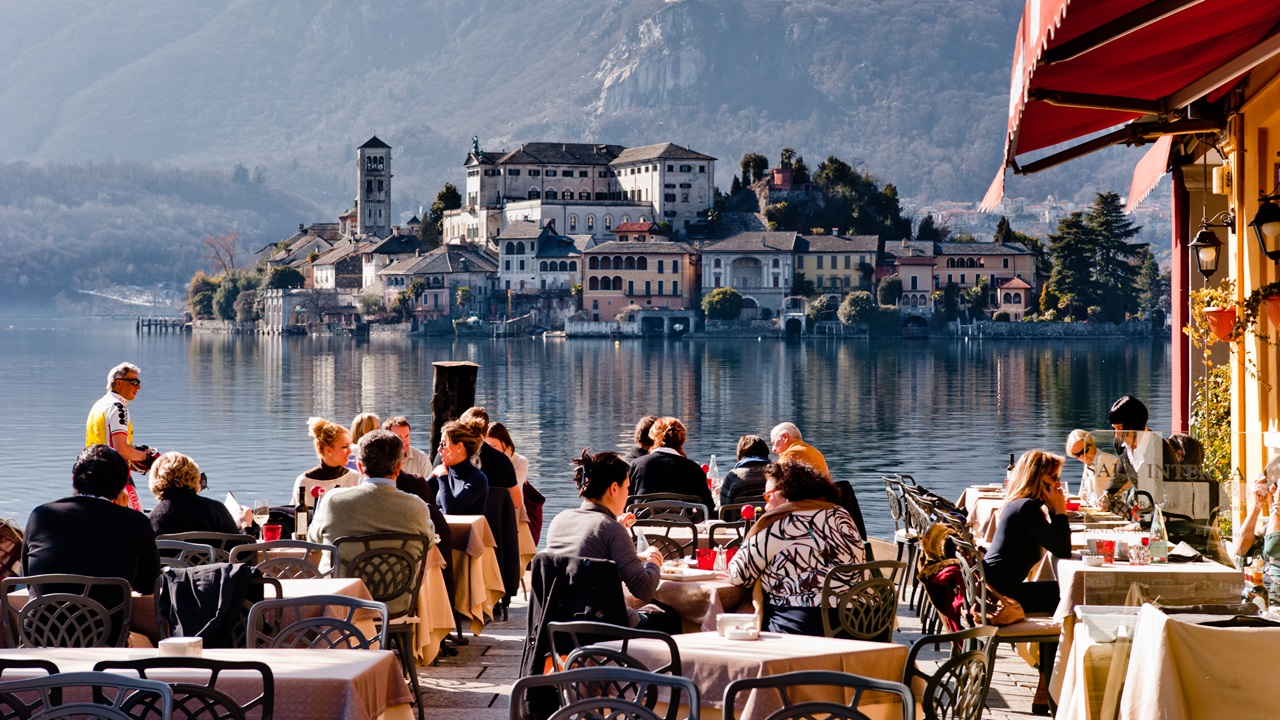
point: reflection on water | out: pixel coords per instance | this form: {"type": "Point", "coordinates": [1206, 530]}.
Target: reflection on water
{"type": "Point", "coordinates": [948, 412]}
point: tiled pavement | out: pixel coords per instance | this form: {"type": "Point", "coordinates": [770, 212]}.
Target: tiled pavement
{"type": "Point", "coordinates": [478, 680]}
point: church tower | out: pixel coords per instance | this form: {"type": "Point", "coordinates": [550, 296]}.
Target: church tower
{"type": "Point", "coordinates": [373, 196]}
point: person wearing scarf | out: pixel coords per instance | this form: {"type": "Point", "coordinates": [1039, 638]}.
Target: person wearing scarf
{"type": "Point", "coordinates": [333, 448]}
{"type": "Point", "coordinates": [789, 550]}
{"type": "Point", "coordinates": [746, 479]}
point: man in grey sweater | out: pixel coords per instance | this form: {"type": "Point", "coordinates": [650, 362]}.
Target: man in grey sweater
{"type": "Point", "coordinates": [374, 505]}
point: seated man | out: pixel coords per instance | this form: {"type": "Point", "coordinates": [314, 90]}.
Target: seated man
{"type": "Point", "coordinates": [790, 446]}
{"type": "Point", "coordinates": [94, 532]}
{"type": "Point", "coordinates": [375, 505]}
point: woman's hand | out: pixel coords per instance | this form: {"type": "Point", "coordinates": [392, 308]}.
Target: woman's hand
{"type": "Point", "coordinates": [653, 556]}
{"type": "Point", "coordinates": [627, 519]}
{"type": "Point", "coordinates": [1057, 500]}
{"type": "Point", "coordinates": [246, 518]}
{"type": "Point", "coordinates": [1261, 488]}
{"type": "Point", "coordinates": [439, 470]}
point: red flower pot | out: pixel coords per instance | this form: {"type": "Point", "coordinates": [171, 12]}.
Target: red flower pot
{"type": "Point", "coordinates": [1222, 322]}
{"type": "Point", "coordinates": [1272, 303]}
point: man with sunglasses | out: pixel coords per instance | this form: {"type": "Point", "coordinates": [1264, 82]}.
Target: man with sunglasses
{"type": "Point", "coordinates": [108, 423]}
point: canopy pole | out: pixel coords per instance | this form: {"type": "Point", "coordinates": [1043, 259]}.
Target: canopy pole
{"type": "Point", "coordinates": [1180, 305]}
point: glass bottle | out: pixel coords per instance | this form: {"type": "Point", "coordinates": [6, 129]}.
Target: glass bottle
{"type": "Point", "coordinates": [1159, 537]}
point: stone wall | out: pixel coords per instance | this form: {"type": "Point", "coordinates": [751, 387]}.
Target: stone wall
{"type": "Point", "coordinates": [1129, 328]}
{"type": "Point", "coordinates": [587, 328]}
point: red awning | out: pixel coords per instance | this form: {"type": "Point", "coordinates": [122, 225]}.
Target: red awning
{"type": "Point", "coordinates": [1084, 66]}
{"type": "Point", "coordinates": [1153, 165]}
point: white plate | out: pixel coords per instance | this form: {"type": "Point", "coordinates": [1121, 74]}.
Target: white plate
{"type": "Point", "coordinates": [688, 574]}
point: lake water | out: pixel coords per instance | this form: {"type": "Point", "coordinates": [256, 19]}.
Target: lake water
{"type": "Point", "coordinates": [947, 411]}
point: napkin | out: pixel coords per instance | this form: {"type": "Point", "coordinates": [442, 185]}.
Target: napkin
{"type": "Point", "coordinates": [1183, 552]}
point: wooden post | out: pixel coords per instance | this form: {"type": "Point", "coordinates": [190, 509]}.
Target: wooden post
{"type": "Point", "coordinates": [454, 391]}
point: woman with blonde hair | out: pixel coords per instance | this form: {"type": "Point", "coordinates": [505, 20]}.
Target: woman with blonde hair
{"type": "Point", "coordinates": [333, 447]}
{"type": "Point", "coordinates": [362, 425]}
{"type": "Point", "coordinates": [1034, 517]}
{"type": "Point", "coordinates": [176, 482]}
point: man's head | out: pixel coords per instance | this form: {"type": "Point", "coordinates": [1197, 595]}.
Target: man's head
{"type": "Point", "coordinates": [124, 381]}
{"type": "Point", "coordinates": [399, 425]}
{"type": "Point", "coordinates": [380, 454]}
{"type": "Point", "coordinates": [783, 435]}
{"type": "Point", "coordinates": [1128, 413]}
{"type": "Point", "coordinates": [100, 472]}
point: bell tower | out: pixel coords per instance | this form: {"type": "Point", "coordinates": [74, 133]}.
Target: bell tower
{"type": "Point", "coordinates": [373, 193]}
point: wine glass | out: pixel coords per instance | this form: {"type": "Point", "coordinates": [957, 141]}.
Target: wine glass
{"type": "Point", "coordinates": [261, 511]}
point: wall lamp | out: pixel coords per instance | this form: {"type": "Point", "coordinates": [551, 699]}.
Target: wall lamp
{"type": "Point", "coordinates": [1207, 246]}
{"type": "Point", "coordinates": [1266, 225]}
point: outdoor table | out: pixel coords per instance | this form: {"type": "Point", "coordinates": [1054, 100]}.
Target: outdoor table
{"type": "Point", "coordinates": [477, 578]}
{"type": "Point", "coordinates": [982, 505]}
{"type": "Point", "coordinates": [1080, 538]}
{"type": "Point", "coordinates": [435, 609]}
{"type": "Point", "coordinates": [698, 602]}
{"type": "Point", "coordinates": [1088, 675]}
{"type": "Point", "coordinates": [309, 684]}
{"type": "Point", "coordinates": [1180, 583]}
{"type": "Point", "coordinates": [142, 614]}
{"type": "Point", "coordinates": [1182, 671]}
{"type": "Point", "coordinates": [712, 662]}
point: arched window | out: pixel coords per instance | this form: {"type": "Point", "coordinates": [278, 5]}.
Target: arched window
{"type": "Point", "coordinates": [644, 219]}
{"type": "Point", "coordinates": [551, 193]}
{"type": "Point", "coordinates": [573, 223]}
{"type": "Point", "coordinates": [594, 282]}
{"type": "Point", "coordinates": [717, 263]}
{"type": "Point", "coordinates": [626, 219]}
{"type": "Point", "coordinates": [542, 266]}
{"type": "Point", "coordinates": [520, 248]}
{"type": "Point", "coordinates": [631, 263]}
{"type": "Point", "coordinates": [584, 194]}
{"type": "Point", "coordinates": [564, 266]}
{"type": "Point", "coordinates": [606, 263]}
{"type": "Point", "coordinates": [608, 222]}
{"type": "Point", "coordinates": [775, 262]}
{"type": "Point", "coordinates": [534, 194]}
{"type": "Point", "coordinates": [970, 263]}
{"type": "Point", "coordinates": [593, 263]}
{"type": "Point", "coordinates": [617, 283]}
{"type": "Point", "coordinates": [1017, 298]}
{"type": "Point", "coordinates": [606, 283]}
{"type": "Point", "coordinates": [1008, 297]}
{"type": "Point", "coordinates": [511, 248]}
{"type": "Point", "coordinates": [642, 263]}
{"type": "Point", "coordinates": [573, 266]}
{"type": "Point", "coordinates": [617, 262]}
{"type": "Point", "coordinates": [951, 262]}
{"type": "Point", "coordinates": [591, 223]}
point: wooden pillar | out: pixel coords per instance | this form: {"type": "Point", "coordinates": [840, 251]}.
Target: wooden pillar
{"type": "Point", "coordinates": [453, 391]}
{"type": "Point", "coordinates": [1180, 302]}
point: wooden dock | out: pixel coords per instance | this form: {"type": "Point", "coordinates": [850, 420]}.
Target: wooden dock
{"type": "Point", "coordinates": [160, 324]}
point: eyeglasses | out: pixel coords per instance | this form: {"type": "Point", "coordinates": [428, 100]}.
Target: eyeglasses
{"type": "Point", "coordinates": [132, 381]}
{"type": "Point", "coordinates": [768, 494]}
{"type": "Point", "coordinates": [1079, 453]}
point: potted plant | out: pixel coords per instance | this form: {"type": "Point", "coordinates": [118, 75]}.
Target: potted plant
{"type": "Point", "coordinates": [1222, 322]}
{"type": "Point", "coordinates": [1214, 314]}
{"type": "Point", "coordinates": [1267, 296]}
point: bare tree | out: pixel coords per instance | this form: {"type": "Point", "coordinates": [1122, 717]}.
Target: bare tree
{"type": "Point", "coordinates": [221, 250]}
{"type": "Point", "coordinates": [318, 302]}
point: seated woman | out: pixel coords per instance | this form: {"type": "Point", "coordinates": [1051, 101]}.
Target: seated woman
{"type": "Point", "coordinates": [746, 479]}
{"type": "Point", "coordinates": [462, 488]}
{"type": "Point", "coordinates": [333, 446]}
{"type": "Point", "coordinates": [1033, 519]}
{"type": "Point", "coordinates": [666, 469]}
{"type": "Point", "coordinates": [176, 483]}
{"type": "Point", "coordinates": [361, 425]}
{"type": "Point", "coordinates": [801, 536]}
{"type": "Point", "coordinates": [1099, 467]}
{"type": "Point", "coordinates": [593, 530]}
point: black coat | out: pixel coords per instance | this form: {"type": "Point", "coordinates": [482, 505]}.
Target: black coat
{"type": "Point", "coordinates": [663, 472]}
{"type": "Point", "coordinates": [91, 536]}
{"type": "Point", "coordinates": [184, 510]}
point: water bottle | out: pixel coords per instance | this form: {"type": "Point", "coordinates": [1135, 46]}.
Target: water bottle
{"type": "Point", "coordinates": [1159, 545]}
{"type": "Point", "coordinates": [721, 563]}
{"type": "Point", "coordinates": [713, 479]}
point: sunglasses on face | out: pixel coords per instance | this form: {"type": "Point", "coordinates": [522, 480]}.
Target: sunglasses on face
{"type": "Point", "coordinates": [1078, 454]}
{"type": "Point", "coordinates": [132, 381]}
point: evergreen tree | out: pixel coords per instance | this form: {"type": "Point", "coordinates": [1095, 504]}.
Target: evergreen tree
{"type": "Point", "coordinates": [754, 166]}
{"type": "Point", "coordinates": [1004, 233]}
{"type": "Point", "coordinates": [951, 300]}
{"type": "Point", "coordinates": [927, 230]}
{"type": "Point", "coordinates": [1074, 257]}
{"type": "Point", "coordinates": [447, 199]}
{"type": "Point", "coordinates": [799, 171]}
{"type": "Point", "coordinates": [890, 290]}
{"type": "Point", "coordinates": [1114, 272]}
{"type": "Point", "coordinates": [1152, 285]}
{"type": "Point", "coordinates": [735, 187]}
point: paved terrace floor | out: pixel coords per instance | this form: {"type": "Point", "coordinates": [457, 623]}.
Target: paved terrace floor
{"type": "Point", "coordinates": [479, 678]}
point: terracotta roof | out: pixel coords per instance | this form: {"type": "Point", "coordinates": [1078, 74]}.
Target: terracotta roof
{"type": "Point", "coordinates": [661, 247]}
{"type": "Point", "coordinates": [661, 151]}
{"type": "Point", "coordinates": [634, 227]}
{"type": "Point", "coordinates": [1012, 284]}
{"type": "Point", "coordinates": [755, 242]}
{"type": "Point", "coordinates": [374, 143]}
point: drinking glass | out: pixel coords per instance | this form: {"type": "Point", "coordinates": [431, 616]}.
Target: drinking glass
{"type": "Point", "coordinates": [261, 511]}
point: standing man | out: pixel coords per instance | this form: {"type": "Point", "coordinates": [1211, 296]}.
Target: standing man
{"type": "Point", "coordinates": [108, 424]}
{"type": "Point", "coordinates": [789, 445]}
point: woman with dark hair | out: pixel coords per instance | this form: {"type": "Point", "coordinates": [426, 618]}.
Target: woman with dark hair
{"type": "Point", "coordinates": [1034, 517]}
{"type": "Point", "coordinates": [665, 469]}
{"type": "Point", "coordinates": [801, 536]}
{"type": "Point", "coordinates": [641, 436]}
{"type": "Point", "coordinates": [464, 490]}
{"type": "Point", "coordinates": [746, 479]}
{"type": "Point", "coordinates": [593, 530]}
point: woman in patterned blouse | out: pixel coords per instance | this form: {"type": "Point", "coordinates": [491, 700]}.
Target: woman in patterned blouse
{"type": "Point", "coordinates": [791, 547]}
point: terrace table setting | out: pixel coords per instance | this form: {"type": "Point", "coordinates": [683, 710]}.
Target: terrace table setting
{"type": "Point", "coordinates": [699, 600]}
{"type": "Point", "coordinates": [982, 504]}
{"type": "Point", "coordinates": [435, 609]}
{"type": "Point", "coordinates": [712, 662]}
{"type": "Point", "coordinates": [477, 578]}
{"type": "Point", "coordinates": [309, 684]}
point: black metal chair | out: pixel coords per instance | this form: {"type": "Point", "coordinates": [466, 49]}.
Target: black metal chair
{"type": "Point", "coordinates": [957, 689]}
{"type": "Point", "coordinates": [197, 700]}
{"type": "Point", "coordinates": [651, 497]}
{"type": "Point", "coordinates": [608, 692]}
{"type": "Point", "coordinates": [657, 533]}
{"type": "Point", "coordinates": [177, 553]}
{"type": "Point", "coordinates": [864, 600]}
{"type": "Point", "coordinates": [392, 566]}
{"type": "Point", "coordinates": [836, 683]}
{"type": "Point", "coordinates": [41, 698]}
{"type": "Point", "coordinates": [733, 511]}
{"type": "Point", "coordinates": [646, 509]}
{"type": "Point", "coordinates": [69, 611]}
{"type": "Point", "coordinates": [15, 708]}
{"type": "Point", "coordinates": [304, 622]}
{"type": "Point", "coordinates": [576, 644]}
{"type": "Point", "coordinates": [222, 543]}
{"type": "Point", "coordinates": [271, 562]}
{"type": "Point", "coordinates": [734, 533]}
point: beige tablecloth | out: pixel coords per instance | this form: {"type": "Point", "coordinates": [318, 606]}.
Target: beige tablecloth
{"type": "Point", "coordinates": [1088, 676]}
{"type": "Point", "coordinates": [1178, 583]}
{"type": "Point", "coordinates": [309, 684]}
{"type": "Point", "coordinates": [1180, 671]}
{"type": "Point", "coordinates": [477, 578]}
{"type": "Point", "coordinates": [712, 662]}
{"type": "Point", "coordinates": [983, 508]}
{"type": "Point", "coordinates": [698, 602]}
{"type": "Point", "coordinates": [435, 609]}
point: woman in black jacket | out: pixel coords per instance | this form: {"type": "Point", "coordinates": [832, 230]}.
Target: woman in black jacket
{"type": "Point", "coordinates": [175, 481]}
{"type": "Point", "coordinates": [665, 469]}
